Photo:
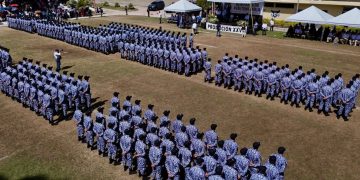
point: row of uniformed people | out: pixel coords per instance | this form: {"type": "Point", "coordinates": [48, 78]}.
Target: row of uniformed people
{"type": "Point", "coordinates": [295, 86]}
{"type": "Point", "coordinates": [54, 29]}
{"type": "Point", "coordinates": [5, 58]}
{"type": "Point", "coordinates": [181, 60]}
{"type": "Point", "coordinates": [46, 92]}
{"type": "Point", "coordinates": [22, 23]}
{"type": "Point", "coordinates": [103, 38]}
{"type": "Point", "coordinates": [173, 150]}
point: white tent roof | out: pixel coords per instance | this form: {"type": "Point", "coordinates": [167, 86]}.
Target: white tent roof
{"type": "Point", "coordinates": [182, 6]}
{"type": "Point", "coordinates": [238, 1]}
{"type": "Point", "coordinates": [311, 15]}
{"type": "Point", "coordinates": [350, 18]}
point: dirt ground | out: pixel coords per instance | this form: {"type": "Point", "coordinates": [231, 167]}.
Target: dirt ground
{"type": "Point", "coordinates": [318, 147]}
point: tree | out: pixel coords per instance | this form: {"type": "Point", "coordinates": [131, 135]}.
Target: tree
{"type": "Point", "coordinates": [71, 3]}
{"type": "Point", "coordinates": [204, 4]}
{"type": "Point", "coordinates": [83, 3]}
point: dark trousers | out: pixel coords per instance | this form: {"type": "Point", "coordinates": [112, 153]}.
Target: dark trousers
{"type": "Point", "coordinates": [58, 65]}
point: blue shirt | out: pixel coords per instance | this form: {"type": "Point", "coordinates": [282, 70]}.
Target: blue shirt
{"type": "Point", "coordinates": [196, 173]}
{"type": "Point", "coordinates": [172, 165]}
{"type": "Point", "coordinates": [185, 156]}
{"type": "Point", "coordinates": [230, 147]}
{"type": "Point", "coordinates": [210, 164]}
{"type": "Point", "coordinates": [241, 164]}
{"type": "Point", "coordinates": [254, 156]}
{"type": "Point", "coordinates": [211, 138]}
{"type": "Point", "coordinates": [155, 155]}
{"type": "Point", "coordinates": [230, 173]}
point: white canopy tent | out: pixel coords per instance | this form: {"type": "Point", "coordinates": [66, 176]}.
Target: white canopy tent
{"type": "Point", "coordinates": [311, 15]}
{"type": "Point", "coordinates": [350, 19]}
{"type": "Point", "coordinates": [182, 6]}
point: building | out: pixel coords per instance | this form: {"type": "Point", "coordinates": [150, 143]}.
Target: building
{"type": "Point", "coordinates": [285, 8]}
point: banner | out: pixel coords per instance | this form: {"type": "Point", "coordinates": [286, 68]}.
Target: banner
{"type": "Point", "coordinates": [224, 28]}
{"type": "Point", "coordinates": [257, 8]}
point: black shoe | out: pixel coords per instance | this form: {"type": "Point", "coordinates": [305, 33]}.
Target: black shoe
{"type": "Point", "coordinates": [286, 102]}
{"type": "Point", "coordinates": [306, 108]}
{"type": "Point", "coordinates": [310, 110]}
{"type": "Point", "coordinates": [88, 146]}
{"type": "Point", "coordinates": [111, 161]}
{"type": "Point", "coordinates": [337, 116]}
{"type": "Point", "coordinates": [319, 112]}
{"type": "Point", "coordinates": [100, 152]}
{"type": "Point", "coordinates": [297, 105]}
{"type": "Point", "coordinates": [327, 114]}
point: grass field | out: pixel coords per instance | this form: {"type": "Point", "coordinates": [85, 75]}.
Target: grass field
{"type": "Point", "coordinates": [318, 147]}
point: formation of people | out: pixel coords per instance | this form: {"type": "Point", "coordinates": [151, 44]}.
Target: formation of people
{"type": "Point", "coordinates": [155, 47]}
{"type": "Point", "coordinates": [5, 58]}
{"type": "Point", "coordinates": [44, 91]}
{"type": "Point", "coordinates": [294, 86]}
{"type": "Point", "coordinates": [327, 34]}
{"type": "Point", "coordinates": [131, 137]}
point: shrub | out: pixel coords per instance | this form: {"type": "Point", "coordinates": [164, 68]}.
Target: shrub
{"type": "Point", "coordinates": [266, 21]}
{"type": "Point", "coordinates": [106, 4]}
{"type": "Point", "coordinates": [131, 6]}
{"type": "Point", "coordinates": [117, 4]}
{"type": "Point", "coordinates": [213, 19]}
{"type": "Point", "coordinates": [240, 22]}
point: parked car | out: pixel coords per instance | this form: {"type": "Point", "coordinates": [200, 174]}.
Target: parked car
{"type": "Point", "coordinates": [156, 5]}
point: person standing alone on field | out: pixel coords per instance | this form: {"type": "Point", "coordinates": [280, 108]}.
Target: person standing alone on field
{"type": "Point", "coordinates": [272, 24]}
{"type": "Point", "coordinates": [218, 28]}
{"type": "Point", "coordinates": [101, 12]}
{"type": "Point", "coordinates": [126, 10]}
{"type": "Point", "coordinates": [57, 57]}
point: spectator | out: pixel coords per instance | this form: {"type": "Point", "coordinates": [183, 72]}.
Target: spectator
{"type": "Point", "coordinates": [290, 32]}
{"type": "Point", "coordinates": [243, 30]}
{"type": "Point", "coordinates": [331, 36]}
{"type": "Point", "coordinates": [326, 33]}
{"type": "Point", "coordinates": [272, 24]}
{"type": "Point", "coordinates": [194, 28]}
{"type": "Point", "coordinates": [354, 38]}
{"type": "Point", "coordinates": [218, 29]}
{"type": "Point", "coordinates": [345, 35]}
{"type": "Point", "coordinates": [264, 28]}
{"type": "Point", "coordinates": [101, 11]}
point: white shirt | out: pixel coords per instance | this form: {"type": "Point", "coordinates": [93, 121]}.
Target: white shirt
{"type": "Point", "coordinates": [56, 54]}
{"type": "Point", "coordinates": [194, 26]}
{"type": "Point", "coordinates": [272, 23]}
{"type": "Point", "coordinates": [264, 26]}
